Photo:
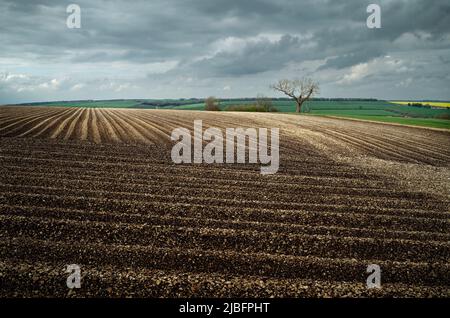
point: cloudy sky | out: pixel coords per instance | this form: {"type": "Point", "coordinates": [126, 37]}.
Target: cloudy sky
{"type": "Point", "coordinates": [226, 48]}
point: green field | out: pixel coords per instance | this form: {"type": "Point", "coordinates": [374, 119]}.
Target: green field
{"type": "Point", "coordinates": [117, 103]}
{"type": "Point", "coordinates": [89, 104]}
{"type": "Point", "coordinates": [424, 122]}
{"type": "Point", "coordinates": [196, 106]}
{"type": "Point", "coordinates": [341, 108]}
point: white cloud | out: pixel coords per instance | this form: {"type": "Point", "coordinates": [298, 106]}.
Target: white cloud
{"type": "Point", "coordinates": [357, 72]}
{"type": "Point", "coordinates": [52, 84]}
{"type": "Point", "coordinates": [117, 87]}
{"type": "Point", "coordinates": [8, 77]}
{"type": "Point", "coordinates": [77, 87]}
{"type": "Point", "coordinates": [382, 66]}
{"type": "Point", "coordinates": [233, 44]}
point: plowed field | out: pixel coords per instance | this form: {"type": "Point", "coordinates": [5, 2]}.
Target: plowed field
{"type": "Point", "coordinates": [97, 188]}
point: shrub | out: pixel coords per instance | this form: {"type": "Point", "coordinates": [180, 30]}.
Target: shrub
{"type": "Point", "coordinates": [443, 116]}
{"type": "Point", "coordinates": [263, 102]}
{"type": "Point", "coordinates": [211, 104]}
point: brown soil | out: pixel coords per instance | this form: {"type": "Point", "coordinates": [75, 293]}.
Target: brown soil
{"type": "Point", "coordinates": [97, 188]}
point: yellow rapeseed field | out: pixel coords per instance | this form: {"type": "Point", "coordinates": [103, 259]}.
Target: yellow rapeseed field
{"type": "Point", "coordinates": [437, 104]}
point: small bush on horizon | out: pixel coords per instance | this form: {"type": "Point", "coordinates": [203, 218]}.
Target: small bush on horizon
{"type": "Point", "coordinates": [211, 104]}
{"type": "Point", "coordinates": [263, 102]}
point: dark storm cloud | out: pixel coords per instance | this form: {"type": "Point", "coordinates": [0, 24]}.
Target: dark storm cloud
{"type": "Point", "coordinates": [182, 28]}
{"type": "Point", "coordinates": [218, 39]}
{"type": "Point", "coordinates": [255, 57]}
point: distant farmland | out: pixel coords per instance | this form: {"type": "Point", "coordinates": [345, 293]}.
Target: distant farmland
{"type": "Point", "coordinates": [377, 110]}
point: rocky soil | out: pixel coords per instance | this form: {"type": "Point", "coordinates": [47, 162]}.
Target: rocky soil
{"type": "Point", "coordinates": [97, 188]}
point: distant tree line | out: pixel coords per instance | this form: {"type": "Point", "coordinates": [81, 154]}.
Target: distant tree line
{"type": "Point", "coordinates": [250, 99]}
{"type": "Point", "coordinates": [258, 104]}
{"type": "Point", "coordinates": [419, 105]}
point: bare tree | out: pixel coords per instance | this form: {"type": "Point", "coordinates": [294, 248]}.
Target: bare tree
{"type": "Point", "coordinates": [299, 90]}
{"type": "Point", "coordinates": [211, 104]}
